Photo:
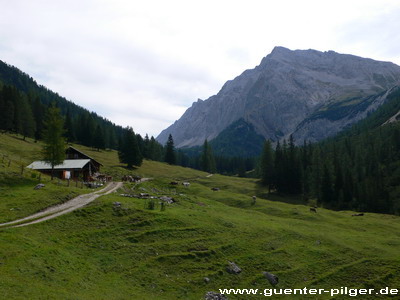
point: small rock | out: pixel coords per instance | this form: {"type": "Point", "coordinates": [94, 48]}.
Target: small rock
{"type": "Point", "coordinates": [206, 279]}
{"type": "Point", "coordinates": [233, 268]}
{"type": "Point", "coordinates": [39, 186]}
{"type": "Point", "coordinates": [358, 215]}
{"type": "Point", "coordinates": [215, 296]}
{"type": "Point", "coordinates": [318, 242]}
{"type": "Point", "coordinates": [167, 199]}
{"type": "Point", "coordinates": [117, 204]}
{"type": "Point", "coordinates": [215, 189]}
{"type": "Point", "coordinates": [273, 279]}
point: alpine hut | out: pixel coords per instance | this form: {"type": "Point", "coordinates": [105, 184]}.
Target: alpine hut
{"type": "Point", "coordinates": [77, 165]}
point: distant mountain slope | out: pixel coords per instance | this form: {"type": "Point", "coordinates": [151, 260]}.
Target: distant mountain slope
{"type": "Point", "coordinates": [307, 93]}
{"type": "Point", "coordinates": [247, 143]}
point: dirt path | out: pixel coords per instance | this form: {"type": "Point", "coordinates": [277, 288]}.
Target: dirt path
{"type": "Point", "coordinates": [58, 210]}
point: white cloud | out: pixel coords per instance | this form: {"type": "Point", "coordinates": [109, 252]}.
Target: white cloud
{"type": "Point", "coordinates": [141, 63]}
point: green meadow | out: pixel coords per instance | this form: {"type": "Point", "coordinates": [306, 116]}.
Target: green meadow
{"type": "Point", "coordinates": [105, 251]}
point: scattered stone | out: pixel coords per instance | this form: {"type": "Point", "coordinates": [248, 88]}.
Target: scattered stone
{"type": "Point", "coordinates": [318, 242]}
{"type": "Point", "coordinates": [215, 189]}
{"type": "Point", "coordinates": [130, 178]}
{"type": "Point", "coordinates": [128, 195]}
{"type": "Point", "coordinates": [273, 279]}
{"type": "Point", "coordinates": [167, 199]}
{"type": "Point", "coordinates": [144, 195]}
{"type": "Point", "coordinates": [39, 186]}
{"type": "Point", "coordinates": [233, 268]}
{"type": "Point", "coordinates": [357, 215]}
{"type": "Point", "coordinates": [206, 279]}
{"type": "Point", "coordinates": [117, 204]}
{"type": "Point", "coordinates": [174, 183]}
{"type": "Point", "coordinates": [215, 296]}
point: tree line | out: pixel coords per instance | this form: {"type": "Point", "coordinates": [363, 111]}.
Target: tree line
{"type": "Point", "coordinates": [359, 169]}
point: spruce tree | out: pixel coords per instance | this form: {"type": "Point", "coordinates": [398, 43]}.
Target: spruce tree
{"type": "Point", "coordinates": [27, 120]}
{"type": "Point", "coordinates": [54, 143]}
{"type": "Point", "coordinates": [39, 112]}
{"type": "Point", "coordinates": [69, 128]}
{"type": "Point", "coordinates": [267, 165]}
{"type": "Point", "coordinates": [207, 159]}
{"type": "Point", "coordinates": [326, 187]}
{"type": "Point", "coordinates": [9, 112]}
{"type": "Point", "coordinates": [170, 156]}
{"type": "Point", "coordinates": [98, 139]}
{"type": "Point", "coordinates": [129, 152]}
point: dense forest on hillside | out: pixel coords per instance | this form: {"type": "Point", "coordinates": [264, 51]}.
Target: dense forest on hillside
{"type": "Point", "coordinates": [359, 169]}
{"type": "Point", "coordinates": [24, 103]}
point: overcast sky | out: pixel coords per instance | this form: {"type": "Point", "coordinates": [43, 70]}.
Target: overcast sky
{"type": "Point", "coordinates": [143, 63]}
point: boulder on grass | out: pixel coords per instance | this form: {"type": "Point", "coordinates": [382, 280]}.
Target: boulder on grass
{"type": "Point", "coordinates": [39, 186]}
{"type": "Point", "coordinates": [215, 296]}
{"type": "Point", "coordinates": [273, 279]}
{"type": "Point", "coordinates": [233, 268]}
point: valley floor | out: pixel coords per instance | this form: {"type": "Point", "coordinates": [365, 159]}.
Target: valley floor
{"type": "Point", "coordinates": [128, 251]}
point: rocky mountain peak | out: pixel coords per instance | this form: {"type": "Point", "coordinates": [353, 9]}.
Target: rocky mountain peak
{"type": "Point", "coordinates": [288, 93]}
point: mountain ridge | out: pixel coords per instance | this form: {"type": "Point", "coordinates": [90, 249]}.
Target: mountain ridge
{"type": "Point", "coordinates": [281, 92]}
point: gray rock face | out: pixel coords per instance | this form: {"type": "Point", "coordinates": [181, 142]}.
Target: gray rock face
{"type": "Point", "coordinates": [302, 92]}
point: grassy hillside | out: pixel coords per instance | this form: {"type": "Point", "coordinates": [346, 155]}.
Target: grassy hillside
{"type": "Point", "coordinates": [106, 252]}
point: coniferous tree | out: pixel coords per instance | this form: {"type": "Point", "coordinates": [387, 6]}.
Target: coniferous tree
{"type": "Point", "coordinates": [112, 139]}
{"type": "Point", "coordinates": [69, 128]}
{"type": "Point", "coordinates": [326, 187]}
{"type": "Point", "coordinates": [39, 111]}
{"type": "Point", "coordinates": [292, 171]}
{"type": "Point", "coordinates": [207, 158]}
{"type": "Point", "coordinates": [267, 165]}
{"type": "Point", "coordinates": [17, 122]}
{"type": "Point", "coordinates": [98, 139]}
{"type": "Point", "coordinates": [54, 143]}
{"type": "Point", "coordinates": [146, 147]}
{"type": "Point", "coordinates": [170, 156]}
{"type": "Point", "coordinates": [2, 109]}
{"type": "Point", "coordinates": [9, 112]}
{"type": "Point", "coordinates": [129, 152]}
{"type": "Point", "coordinates": [28, 125]}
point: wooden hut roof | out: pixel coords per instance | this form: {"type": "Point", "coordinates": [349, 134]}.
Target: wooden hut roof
{"type": "Point", "coordinates": [67, 164]}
